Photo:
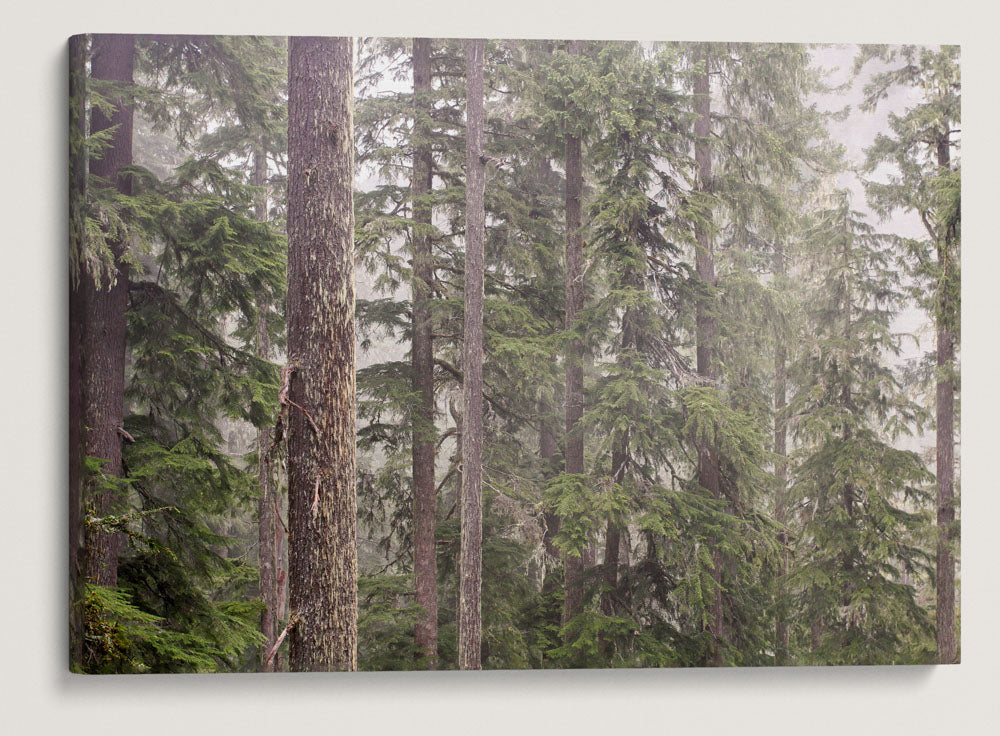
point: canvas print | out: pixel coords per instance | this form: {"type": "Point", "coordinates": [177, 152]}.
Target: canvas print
{"type": "Point", "coordinates": [413, 354]}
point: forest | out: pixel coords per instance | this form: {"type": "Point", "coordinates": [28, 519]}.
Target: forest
{"type": "Point", "coordinates": [411, 354]}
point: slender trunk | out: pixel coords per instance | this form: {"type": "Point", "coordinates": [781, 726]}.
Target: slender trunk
{"type": "Point", "coordinates": [470, 613]}
{"type": "Point", "coordinates": [267, 527]}
{"type": "Point", "coordinates": [574, 359]}
{"type": "Point", "coordinates": [705, 327]}
{"type": "Point", "coordinates": [781, 630]}
{"type": "Point", "coordinates": [547, 450]}
{"type": "Point", "coordinates": [947, 636]}
{"type": "Point", "coordinates": [323, 572]}
{"type": "Point", "coordinates": [422, 355]}
{"type": "Point", "coordinates": [77, 194]}
{"type": "Point", "coordinates": [103, 324]}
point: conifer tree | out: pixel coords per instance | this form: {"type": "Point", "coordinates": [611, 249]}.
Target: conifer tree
{"type": "Point", "coordinates": [323, 593]}
{"type": "Point", "coordinates": [857, 536]}
{"type": "Point", "coordinates": [104, 302]}
{"type": "Point", "coordinates": [422, 357]}
{"type": "Point", "coordinates": [927, 180]}
{"type": "Point", "coordinates": [470, 564]}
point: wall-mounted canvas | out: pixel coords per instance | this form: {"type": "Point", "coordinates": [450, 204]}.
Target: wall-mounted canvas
{"type": "Point", "coordinates": [412, 354]}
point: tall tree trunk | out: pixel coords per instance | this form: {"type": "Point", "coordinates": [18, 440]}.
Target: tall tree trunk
{"type": "Point", "coordinates": [574, 359]}
{"type": "Point", "coordinates": [422, 356]}
{"type": "Point", "coordinates": [947, 638]}
{"type": "Point", "coordinates": [267, 526]}
{"type": "Point", "coordinates": [323, 569]}
{"type": "Point", "coordinates": [781, 630]}
{"type": "Point", "coordinates": [705, 327]}
{"type": "Point", "coordinates": [103, 322]}
{"type": "Point", "coordinates": [77, 194]}
{"type": "Point", "coordinates": [470, 608]}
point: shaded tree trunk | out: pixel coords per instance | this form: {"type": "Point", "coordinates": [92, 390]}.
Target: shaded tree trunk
{"type": "Point", "coordinates": [705, 327]}
{"type": "Point", "coordinates": [77, 194]}
{"type": "Point", "coordinates": [422, 356]}
{"type": "Point", "coordinates": [946, 634]}
{"type": "Point", "coordinates": [267, 521]}
{"type": "Point", "coordinates": [573, 565]}
{"type": "Point", "coordinates": [323, 573]}
{"type": "Point", "coordinates": [470, 608]}
{"type": "Point", "coordinates": [102, 358]}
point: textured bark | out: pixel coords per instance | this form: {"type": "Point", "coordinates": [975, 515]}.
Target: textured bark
{"type": "Point", "coordinates": [267, 522]}
{"type": "Point", "coordinates": [574, 360]}
{"type": "Point", "coordinates": [470, 604]}
{"type": "Point", "coordinates": [323, 574]}
{"type": "Point", "coordinates": [422, 357]}
{"type": "Point", "coordinates": [947, 636]}
{"type": "Point", "coordinates": [78, 182]}
{"type": "Point", "coordinates": [705, 328]}
{"type": "Point", "coordinates": [781, 630]}
{"type": "Point", "coordinates": [103, 322]}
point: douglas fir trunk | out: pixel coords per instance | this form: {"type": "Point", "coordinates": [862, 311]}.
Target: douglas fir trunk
{"type": "Point", "coordinates": [103, 323]}
{"type": "Point", "coordinates": [470, 607]}
{"type": "Point", "coordinates": [422, 356]}
{"type": "Point", "coordinates": [323, 575]}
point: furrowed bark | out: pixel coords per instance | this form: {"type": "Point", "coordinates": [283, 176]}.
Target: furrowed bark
{"type": "Point", "coordinates": [422, 357]}
{"type": "Point", "coordinates": [946, 634]}
{"type": "Point", "coordinates": [470, 605]}
{"type": "Point", "coordinates": [323, 573]}
{"type": "Point", "coordinates": [103, 323]}
{"type": "Point", "coordinates": [705, 327]}
{"type": "Point", "coordinates": [78, 186]}
{"type": "Point", "coordinates": [573, 565]}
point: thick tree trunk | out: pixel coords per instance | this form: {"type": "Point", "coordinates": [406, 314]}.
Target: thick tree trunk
{"type": "Point", "coordinates": [323, 571]}
{"type": "Point", "coordinates": [422, 356]}
{"type": "Point", "coordinates": [574, 359]}
{"type": "Point", "coordinates": [267, 521]}
{"type": "Point", "coordinates": [103, 323]}
{"type": "Point", "coordinates": [78, 189]}
{"type": "Point", "coordinates": [947, 637]}
{"type": "Point", "coordinates": [470, 607]}
{"type": "Point", "coordinates": [781, 630]}
{"type": "Point", "coordinates": [705, 327]}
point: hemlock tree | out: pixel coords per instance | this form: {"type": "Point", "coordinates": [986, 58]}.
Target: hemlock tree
{"type": "Point", "coordinates": [860, 496]}
{"type": "Point", "coordinates": [323, 592]}
{"type": "Point", "coordinates": [926, 178]}
{"type": "Point", "coordinates": [470, 561]}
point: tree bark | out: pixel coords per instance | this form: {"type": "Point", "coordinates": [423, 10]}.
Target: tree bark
{"type": "Point", "coordinates": [103, 322]}
{"type": "Point", "coordinates": [705, 328]}
{"type": "Point", "coordinates": [267, 526]}
{"type": "Point", "coordinates": [77, 195]}
{"type": "Point", "coordinates": [470, 608]}
{"type": "Point", "coordinates": [323, 574]}
{"type": "Point", "coordinates": [422, 357]}
{"type": "Point", "coordinates": [946, 634]}
{"type": "Point", "coordinates": [573, 564]}
{"type": "Point", "coordinates": [781, 630]}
